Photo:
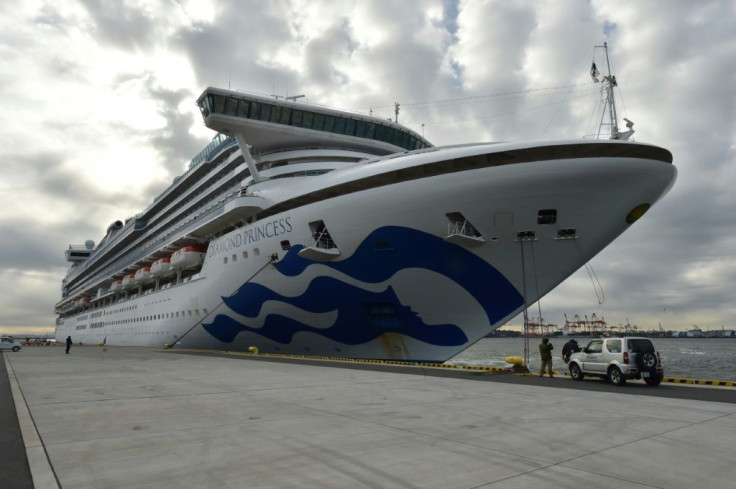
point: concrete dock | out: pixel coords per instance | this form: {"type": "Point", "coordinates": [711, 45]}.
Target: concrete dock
{"type": "Point", "coordinates": [146, 418]}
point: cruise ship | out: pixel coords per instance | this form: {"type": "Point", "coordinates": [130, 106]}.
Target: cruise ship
{"type": "Point", "coordinates": [307, 230]}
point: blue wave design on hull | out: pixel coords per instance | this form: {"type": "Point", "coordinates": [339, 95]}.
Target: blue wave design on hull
{"type": "Point", "coordinates": [364, 315]}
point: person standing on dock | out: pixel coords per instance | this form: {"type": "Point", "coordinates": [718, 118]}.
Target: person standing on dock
{"type": "Point", "coordinates": [569, 348]}
{"type": "Point", "coordinates": [545, 350]}
{"type": "Point", "coordinates": [68, 344]}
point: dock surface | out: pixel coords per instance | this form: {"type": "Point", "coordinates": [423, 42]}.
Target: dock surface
{"type": "Point", "coordinates": [147, 418]}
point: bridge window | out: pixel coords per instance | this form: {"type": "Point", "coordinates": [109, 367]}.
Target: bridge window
{"type": "Point", "coordinates": [243, 107]}
{"type": "Point", "coordinates": [265, 114]}
{"type": "Point", "coordinates": [307, 119]}
{"type": "Point", "coordinates": [232, 106]}
{"type": "Point", "coordinates": [255, 110]}
{"type": "Point", "coordinates": [350, 127]}
{"type": "Point", "coordinates": [319, 120]}
{"type": "Point", "coordinates": [296, 117]}
{"type": "Point", "coordinates": [381, 133]}
{"type": "Point", "coordinates": [339, 125]}
{"type": "Point", "coordinates": [285, 115]}
{"type": "Point", "coordinates": [219, 103]}
{"type": "Point", "coordinates": [276, 113]}
{"type": "Point", "coordinates": [360, 129]}
{"type": "Point", "coordinates": [329, 123]}
{"type": "Point", "coordinates": [371, 129]}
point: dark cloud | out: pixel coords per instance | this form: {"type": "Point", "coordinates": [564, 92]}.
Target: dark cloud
{"type": "Point", "coordinates": [121, 24]}
{"type": "Point", "coordinates": [234, 49]}
{"type": "Point", "coordinates": [36, 246]}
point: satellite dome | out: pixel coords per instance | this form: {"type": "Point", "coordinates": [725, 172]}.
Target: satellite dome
{"type": "Point", "coordinates": [89, 244]}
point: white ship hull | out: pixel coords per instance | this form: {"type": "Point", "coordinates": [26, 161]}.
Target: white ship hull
{"type": "Point", "coordinates": [401, 286]}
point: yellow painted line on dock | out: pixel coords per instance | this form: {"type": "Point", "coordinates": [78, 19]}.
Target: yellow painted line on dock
{"type": "Point", "coordinates": [723, 383]}
{"type": "Point", "coordinates": [677, 380]}
{"type": "Point", "coordinates": [479, 368]}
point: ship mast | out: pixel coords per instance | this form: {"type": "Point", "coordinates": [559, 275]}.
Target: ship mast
{"type": "Point", "coordinates": [609, 82]}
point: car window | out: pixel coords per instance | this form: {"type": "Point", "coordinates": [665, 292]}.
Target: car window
{"type": "Point", "coordinates": [640, 344]}
{"type": "Point", "coordinates": [595, 346]}
{"type": "Point", "coordinates": [613, 346]}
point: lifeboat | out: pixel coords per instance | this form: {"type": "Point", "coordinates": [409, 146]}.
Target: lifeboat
{"type": "Point", "coordinates": [143, 275]}
{"type": "Point", "coordinates": [187, 257]}
{"type": "Point", "coordinates": [160, 267]}
{"type": "Point", "coordinates": [117, 285]}
{"type": "Point", "coordinates": [83, 301]}
{"type": "Point", "coordinates": [129, 281]}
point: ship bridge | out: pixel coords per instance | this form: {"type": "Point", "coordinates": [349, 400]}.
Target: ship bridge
{"type": "Point", "coordinates": [269, 125]}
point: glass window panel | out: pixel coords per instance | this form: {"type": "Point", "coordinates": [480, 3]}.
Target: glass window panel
{"type": "Point", "coordinates": [255, 110]}
{"type": "Point", "coordinates": [350, 127]}
{"type": "Point", "coordinates": [395, 137]}
{"type": "Point", "coordinates": [276, 113]}
{"type": "Point", "coordinates": [371, 129]}
{"type": "Point", "coordinates": [296, 117]}
{"type": "Point", "coordinates": [285, 115]}
{"type": "Point", "coordinates": [405, 140]}
{"type": "Point", "coordinates": [319, 120]}
{"type": "Point", "coordinates": [265, 114]}
{"type": "Point", "coordinates": [219, 104]}
{"type": "Point", "coordinates": [232, 106]}
{"type": "Point", "coordinates": [380, 133]}
{"type": "Point", "coordinates": [243, 106]}
{"type": "Point", "coordinates": [340, 125]}
{"type": "Point", "coordinates": [329, 123]}
{"type": "Point", "coordinates": [307, 119]}
{"type": "Point", "coordinates": [360, 129]}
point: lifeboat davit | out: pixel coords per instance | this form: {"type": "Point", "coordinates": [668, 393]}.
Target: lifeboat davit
{"type": "Point", "coordinates": [143, 275]}
{"type": "Point", "coordinates": [161, 267]}
{"type": "Point", "coordinates": [187, 257]}
{"type": "Point", "coordinates": [117, 285]}
{"type": "Point", "coordinates": [129, 281]}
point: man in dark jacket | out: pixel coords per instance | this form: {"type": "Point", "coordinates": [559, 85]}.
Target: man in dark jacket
{"type": "Point", "coordinates": [545, 350]}
{"type": "Point", "coordinates": [569, 348]}
{"type": "Point", "coordinates": [68, 344]}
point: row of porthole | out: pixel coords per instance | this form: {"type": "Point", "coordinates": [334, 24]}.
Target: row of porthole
{"type": "Point", "coordinates": [122, 309]}
{"type": "Point", "coordinates": [234, 257]}
{"type": "Point", "coordinates": [156, 317]}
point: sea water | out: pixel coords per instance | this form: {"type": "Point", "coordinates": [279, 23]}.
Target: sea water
{"type": "Point", "coordinates": [691, 358]}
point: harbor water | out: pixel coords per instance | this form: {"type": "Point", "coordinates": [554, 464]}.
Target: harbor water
{"type": "Point", "coordinates": [692, 358]}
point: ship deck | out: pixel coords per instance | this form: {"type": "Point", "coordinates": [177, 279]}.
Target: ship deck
{"type": "Point", "coordinates": [149, 418]}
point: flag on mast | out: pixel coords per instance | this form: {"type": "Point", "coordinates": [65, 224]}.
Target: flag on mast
{"type": "Point", "coordinates": [594, 73]}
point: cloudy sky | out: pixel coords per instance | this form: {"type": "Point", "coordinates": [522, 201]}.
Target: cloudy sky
{"type": "Point", "coordinates": [98, 117]}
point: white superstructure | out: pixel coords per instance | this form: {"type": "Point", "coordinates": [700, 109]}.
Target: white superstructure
{"type": "Point", "coordinates": [307, 230]}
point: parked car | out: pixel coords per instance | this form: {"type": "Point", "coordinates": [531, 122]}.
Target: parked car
{"type": "Point", "coordinates": [9, 343]}
{"type": "Point", "coordinates": [618, 359]}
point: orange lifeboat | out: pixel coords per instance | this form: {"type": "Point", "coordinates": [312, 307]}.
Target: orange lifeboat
{"type": "Point", "coordinates": [129, 281]}
{"type": "Point", "coordinates": [188, 257]}
{"type": "Point", "coordinates": [160, 267]}
{"type": "Point", "coordinates": [143, 275]}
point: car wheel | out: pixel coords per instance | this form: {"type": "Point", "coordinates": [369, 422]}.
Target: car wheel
{"type": "Point", "coordinates": [654, 380]}
{"type": "Point", "coordinates": [575, 372]}
{"type": "Point", "coordinates": [16, 348]}
{"type": "Point", "coordinates": [615, 376]}
{"type": "Point", "coordinates": [648, 360]}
